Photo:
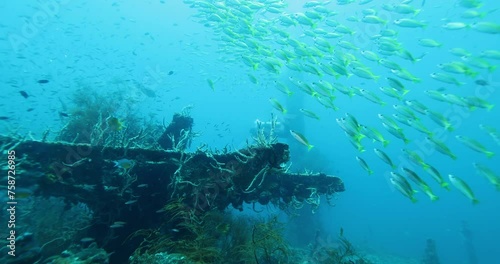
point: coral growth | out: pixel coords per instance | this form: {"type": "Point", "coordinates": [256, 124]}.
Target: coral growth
{"type": "Point", "coordinates": [75, 254]}
{"type": "Point", "coordinates": [214, 237]}
{"type": "Point", "coordinates": [55, 224]}
{"type": "Point", "coordinates": [340, 252]}
{"type": "Point", "coordinates": [106, 120]}
{"type": "Point", "coordinates": [267, 243]}
{"type": "Point", "coordinates": [192, 237]}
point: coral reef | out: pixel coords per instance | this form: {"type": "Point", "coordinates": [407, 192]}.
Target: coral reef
{"type": "Point", "coordinates": [160, 258]}
{"type": "Point", "coordinates": [76, 254]}
{"type": "Point", "coordinates": [268, 244]}
{"type": "Point", "coordinates": [47, 227]}
{"type": "Point", "coordinates": [215, 237]}
{"type": "Point", "coordinates": [106, 120]}
{"type": "Point", "coordinates": [53, 224]}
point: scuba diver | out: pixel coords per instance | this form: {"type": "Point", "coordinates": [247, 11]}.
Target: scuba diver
{"type": "Point", "coordinates": [300, 159]}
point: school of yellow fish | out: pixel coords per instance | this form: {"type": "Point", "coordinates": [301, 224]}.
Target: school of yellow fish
{"type": "Point", "coordinates": [262, 35]}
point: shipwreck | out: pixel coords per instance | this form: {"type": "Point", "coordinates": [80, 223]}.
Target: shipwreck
{"type": "Point", "coordinates": [130, 197]}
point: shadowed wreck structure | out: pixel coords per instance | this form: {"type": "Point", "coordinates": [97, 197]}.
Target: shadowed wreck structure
{"type": "Point", "coordinates": [131, 189]}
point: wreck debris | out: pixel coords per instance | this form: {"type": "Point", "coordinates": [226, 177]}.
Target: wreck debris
{"type": "Point", "coordinates": [202, 180]}
{"type": "Point", "coordinates": [206, 180]}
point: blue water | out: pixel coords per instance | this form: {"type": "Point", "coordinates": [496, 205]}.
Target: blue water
{"type": "Point", "coordinates": [107, 44]}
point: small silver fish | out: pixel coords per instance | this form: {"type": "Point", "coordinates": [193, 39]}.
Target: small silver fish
{"type": "Point", "coordinates": [110, 188]}
{"type": "Point", "coordinates": [131, 202]}
{"type": "Point", "coordinates": [115, 226]}
{"type": "Point", "coordinates": [144, 185]}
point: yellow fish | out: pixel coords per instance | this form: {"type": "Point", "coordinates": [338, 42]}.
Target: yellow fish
{"type": "Point", "coordinates": [464, 188]}
{"type": "Point", "coordinates": [300, 138]}
{"type": "Point", "coordinates": [277, 105]}
{"type": "Point", "coordinates": [114, 123]}
{"type": "Point", "coordinates": [124, 163]}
